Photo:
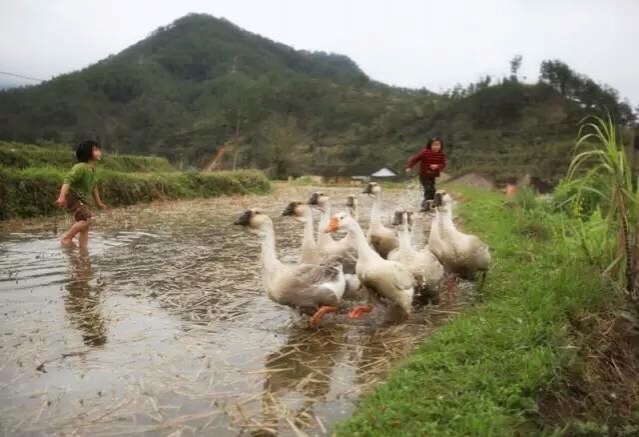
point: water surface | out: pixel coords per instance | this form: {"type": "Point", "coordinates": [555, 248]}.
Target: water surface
{"type": "Point", "coordinates": [163, 328]}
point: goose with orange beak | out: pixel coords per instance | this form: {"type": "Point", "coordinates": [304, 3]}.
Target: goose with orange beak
{"type": "Point", "coordinates": [343, 248]}
{"type": "Point", "coordinates": [312, 254]}
{"type": "Point", "coordinates": [315, 289]}
{"type": "Point", "coordinates": [389, 280]}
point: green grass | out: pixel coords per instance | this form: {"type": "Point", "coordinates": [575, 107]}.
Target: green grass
{"type": "Point", "coordinates": [31, 176]}
{"type": "Point", "coordinates": [21, 156]}
{"type": "Point", "coordinates": [483, 373]}
{"type": "Point", "coordinates": [31, 192]}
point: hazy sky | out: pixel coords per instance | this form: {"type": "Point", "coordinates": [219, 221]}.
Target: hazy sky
{"type": "Point", "coordinates": [432, 44]}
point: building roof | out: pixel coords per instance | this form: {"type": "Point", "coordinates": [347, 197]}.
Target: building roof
{"type": "Point", "coordinates": [384, 172]}
{"type": "Point", "coordinates": [352, 170]}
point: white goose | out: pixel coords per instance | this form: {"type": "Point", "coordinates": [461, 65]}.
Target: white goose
{"type": "Point", "coordinates": [310, 251]}
{"type": "Point", "coordinates": [379, 236]}
{"type": "Point", "coordinates": [352, 205]}
{"type": "Point", "coordinates": [344, 248]}
{"type": "Point", "coordinates": [423, 264]}
{"type": "Point", "coordinates": [387, 279]}
{"type": "Point", "coordinates": [316, 289]}
{"type": "Point", "coordinates": [462, 255]}
{"type": "Point", "coordinates": [312, 254]}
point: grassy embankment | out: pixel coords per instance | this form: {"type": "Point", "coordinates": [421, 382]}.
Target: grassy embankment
{"type": "Point", "coordinates": [506, 365]}
{"type": "Point", "coordinates": [30, 179]}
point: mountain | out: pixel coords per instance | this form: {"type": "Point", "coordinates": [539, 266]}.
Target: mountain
{"type": "Point", "coordinates": [200, 82]}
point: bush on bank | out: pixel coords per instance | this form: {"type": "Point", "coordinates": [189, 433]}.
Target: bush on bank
{"type": "Point", "coordinates": [31, 192]}
{"type": "Point", "coordinates": [22, 156]}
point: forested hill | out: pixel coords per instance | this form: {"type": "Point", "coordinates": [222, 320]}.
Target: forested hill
{"type": "Point", "coordinates": [191, 86]}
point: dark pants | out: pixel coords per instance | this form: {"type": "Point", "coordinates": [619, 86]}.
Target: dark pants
{"type": "Point", "coordinates": [78, 207]}
{"type": "Point", "coordinates": [428, 182]}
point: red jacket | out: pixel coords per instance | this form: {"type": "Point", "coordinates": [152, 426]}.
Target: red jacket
{"type": "Point", "coordinates": [428, 157]}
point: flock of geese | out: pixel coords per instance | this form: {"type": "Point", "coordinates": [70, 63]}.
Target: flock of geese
{"type": "Point", "coordinates": [382, 264]}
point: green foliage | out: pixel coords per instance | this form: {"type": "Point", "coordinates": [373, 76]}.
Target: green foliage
{"type": "Point", "coordinates": [526, 198]}
{"type": "Point", "coordinates": [17, 155]}
{"type": "Point", "coordinates": [515, 65]}
{"type": "Point", "coordinates": [591, 236]}
{"type": "Point", "coordinates": [186, 89]}
{"type": "Point", "coordinates": [481, 373]}
{"type": "Point", "coordinates": [602, 170]}
{"type": "Point", "coordinates": [282, 147]}
{"type": "Point", "coordinates": [575, 203]}
{"type": "Point", "coordinates": [30, 192]}
{"type": "Point", "coordinates": [595, 98]}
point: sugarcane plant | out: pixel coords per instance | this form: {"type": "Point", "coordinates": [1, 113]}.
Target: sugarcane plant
{"type": "Point", "coordinates": [600, 166]}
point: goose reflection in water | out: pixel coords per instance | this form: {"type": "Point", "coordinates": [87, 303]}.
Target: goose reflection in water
{"type": "Point", "coordinates": [300, 375]}
{"type": "Point", "coordinates": [82, 301]}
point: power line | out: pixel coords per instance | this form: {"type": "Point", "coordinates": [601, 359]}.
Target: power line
{"type": "Point", "coordinates": [21, 76]}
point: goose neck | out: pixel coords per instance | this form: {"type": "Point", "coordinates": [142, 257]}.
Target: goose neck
{"type": "Point", "coordinates": [364, 251]}
{"type": "Point", "coordinates": [269, 255]}
{"type": "Point", "coordinates": [376, 210]}
{"type": "Point", "coordinates": [352, 210]}
{"type": "Point", "coordinates": [404, 237]}
{"type": "Point", "coordinates": [309, 239]}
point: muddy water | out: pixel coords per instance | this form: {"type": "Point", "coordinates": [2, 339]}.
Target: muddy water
{"type": "Point", "coordinates": [163, 328]}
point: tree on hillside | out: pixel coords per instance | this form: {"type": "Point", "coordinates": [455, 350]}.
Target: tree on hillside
{"type": "Point", "coordinates": [457, 92]}
{"type": "Point", "coordinates": [483, 82]}
{"type": "Point", "coordinates": [283, 147]}
{"type": "Point", "coordinates": [597, 99]}
{"type": "Point", "coordinates": [515, 65]}
{"type": "Point", "coordinates": [558, 74]}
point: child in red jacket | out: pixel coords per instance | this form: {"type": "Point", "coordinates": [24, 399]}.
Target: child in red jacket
{"type": "Point", "coordinates": [432, 161]}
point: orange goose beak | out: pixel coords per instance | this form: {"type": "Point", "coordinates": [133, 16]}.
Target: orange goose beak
{"type": "Point", "coordinates": [333, 225]}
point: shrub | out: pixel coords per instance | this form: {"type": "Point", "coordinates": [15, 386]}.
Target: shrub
{"type": "Point", "coordinates": [31, 192]}
{"type": "Point", "coordinates": [17, 155]}
{"type": "Point", "coordinates": [602, 170]}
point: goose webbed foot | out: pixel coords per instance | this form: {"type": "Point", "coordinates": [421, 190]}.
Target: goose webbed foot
{"type": "Point", "coordinates": [319, 315]}
{"type": "Point", "coordinates": [359, 311]}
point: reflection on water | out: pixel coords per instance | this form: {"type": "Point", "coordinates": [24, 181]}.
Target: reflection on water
{"type": "Point", "coordinates": [164, 328]}
{"type": "Point", "coordinates": [82, 301]}
{"type": "Point", "coordinates": [302, 366]}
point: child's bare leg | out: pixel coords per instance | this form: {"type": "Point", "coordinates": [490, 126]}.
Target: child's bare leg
{"type": "Point", "coordinates": [67, 238]}
{"type": "Point", "coordinates": [84, 237]}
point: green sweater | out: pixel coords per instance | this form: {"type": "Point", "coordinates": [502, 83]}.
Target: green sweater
{"type": "Point", "coordinates": [81, 180]}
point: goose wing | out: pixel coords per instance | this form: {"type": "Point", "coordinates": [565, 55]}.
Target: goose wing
{"type": "Point", "coordinates": [403, 279]}
{"type": "Point", "coordinates": [314, 285]}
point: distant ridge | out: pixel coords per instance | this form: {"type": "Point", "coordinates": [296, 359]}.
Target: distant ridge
{"type": "Point", "coordinates": [193, 85]}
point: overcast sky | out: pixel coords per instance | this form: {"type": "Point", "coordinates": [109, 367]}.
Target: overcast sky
{"type": "Point", "coordinates": [418, 43]}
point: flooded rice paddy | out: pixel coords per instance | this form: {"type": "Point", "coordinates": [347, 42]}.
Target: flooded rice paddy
{"type": "Point", "coordinates": [163, 328]}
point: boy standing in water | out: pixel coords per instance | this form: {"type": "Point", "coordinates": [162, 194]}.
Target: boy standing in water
{"type": "Point", "coordinates": [432, 161]}
{"type": "Point", "coordinates": [78, 184]}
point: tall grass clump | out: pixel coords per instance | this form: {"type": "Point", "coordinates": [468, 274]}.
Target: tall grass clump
{"type": "Point", "coordinates": [600, 170]}
{"type": "Point", "coordinates": [526, 198]}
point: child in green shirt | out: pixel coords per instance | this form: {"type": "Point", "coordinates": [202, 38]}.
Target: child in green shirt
{"type": "Point", "coordinates": [78, 184]}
